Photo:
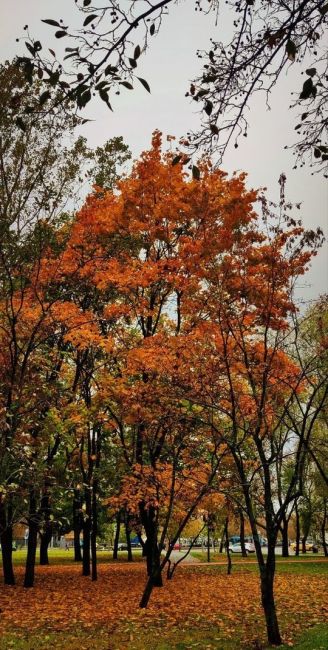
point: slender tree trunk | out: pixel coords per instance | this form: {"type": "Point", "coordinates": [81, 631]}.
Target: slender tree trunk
{"type": "Point", "coordinates": [6, 538]}
{"type": "Point", "coordinates": [242, 533]}
{"type": "Point", "coordinates": [222, 540]}
{"type": "Point", "coordinates": [267, 571]}
{"type": "Point", "coordinates": [304, 538]}
{"type": "Point", "coordinates": [298, 529]}
{"type": "Point", "coordinates": [208, 543]}
{"type": "Point", "coordinates": [153, 555]}
{"type": "Point", "coordinates": [86, 535]}
{"type": "Point", "coordinates": [323, 529]}
{"type": "Point", "coordinates": [94, 530]}
{"type": "Point", "coordinates": [128, 536]}
{"type": "Point", "coordinates": [45, 539]}
{"type": "Point", "coordinates": [77, 524]}
{"type": "Point", "coordinates": [117, 535]}
{"type": "Point", "coordinates": [32, 542]}
{"type": "Point", "coordinates": [45, 536]}
{"type": "Point", "coordinates": [229, 565]}
{"type": "Point", "coordinates": [284, 536]}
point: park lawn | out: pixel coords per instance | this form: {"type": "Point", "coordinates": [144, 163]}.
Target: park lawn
{"type": "Point", "coordinates": [63, 556]}
{"type": "Point", "coordinates": [201, 607]}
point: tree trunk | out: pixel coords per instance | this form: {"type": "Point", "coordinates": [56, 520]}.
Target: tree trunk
{"type": "Point", "coordinates": [298, 530]}
{"type": "Point", "coordinates": [304, 538]}
{"type": "Point", "coordinates": [6, 538]}
{"type": "Point", "coordinates": [242, 533]}
{"type": "Point", "coordinates": [208, 543]}
{"type": "Point", "coordinates": [323, 529]}
{"type": "Point", "coordinates": [86, 535]}
{"type": "Point", "coordinates": [284, 537]}
{"type": "Point", "coordinates": [117, 535]}
{"type": "Point", "coordinates": [128, 536]}
{"type": "Point", "coordinates": [226, 528]}
{"type": "Point", "coordinates": [45, 536]}
{"type": "Point", "coordinates": [32, 541]}
{"type": "Point", "coordinates": [94, 530]}
{"type": "Point", "coordinates": [77, 524]}
{"type": "Point", "coordinates": [45, 539]}
{"type": "Point", "coordinates": [153, 553]}
{"type": "Point", "coordinates": [267, 572]}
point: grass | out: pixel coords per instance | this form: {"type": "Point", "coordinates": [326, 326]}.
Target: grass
{"type": "Point", "coordinates": [151, 639]}
{"type": "Point", "coordinates": [63, 556]}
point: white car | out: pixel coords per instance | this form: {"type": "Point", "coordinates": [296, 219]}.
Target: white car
{"type": "Point", "coordinates": [236, 548]}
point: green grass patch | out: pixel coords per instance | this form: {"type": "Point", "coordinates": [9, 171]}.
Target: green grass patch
{"type": "Point", "coordinates": [63, 556]}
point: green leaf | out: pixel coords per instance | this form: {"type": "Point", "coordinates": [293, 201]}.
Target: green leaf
{"type": "Point", "coordinates": [291, 50]}
{"type": "Point", "coordinates": [104, 96]}
{"type": "Point", "coordinates": [30, 48]}
{"type": "Point", "coordinates": [195, 173]}
{"type": "Point", "coordinates": [86, 3]}
{"type": "Point", "coordinates": [137, 52]}
{"type": "Point", "coordinates": [176, 160]}
{"type": "Point", "coordinates": [52, 52]}
{"type": "Point", "coordinates": [317, 153]}
{"type": "Point", "coordinates": [144, 83]}
{"type": "Point", "coordinates": [111, 69]}
{"type": "Point", "coordinates": [152, 29]}
{"type": "Point", "coordinates": [133, 63]}
{"type": "Point", "coordinates": [311, 72]}
{"type": "Point", "coordinates": [307, 89]}
{"type": "Point", "coordinates": [214, 129]}
{"type": "Point", "coordinates": [49, 21]}
{"type": "Point", "coordinates": [83, 99]}
{"type": "Point", "coordinates": [208, 107]}
{"type": "Point", "coordinates": [60, 34]}
{"type": "Point", "coordinates": [89, 19]}
{"type": "Point", "coordinates": [126, 84]}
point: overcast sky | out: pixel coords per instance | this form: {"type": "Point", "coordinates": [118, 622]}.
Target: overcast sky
{"type": "Point", "coordinates": [168, 66]}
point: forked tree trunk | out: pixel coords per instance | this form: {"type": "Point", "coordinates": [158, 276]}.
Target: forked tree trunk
{"type": "Point", "coordinates": [154, 569]}
{"type": "Point", "coordinates": [32, 542]}
{"type": "Point", "coordinates": [6, 538]}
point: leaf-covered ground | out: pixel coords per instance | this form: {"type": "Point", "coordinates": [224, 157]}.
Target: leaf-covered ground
{"type": "Point", "coordinates": [218, 608]}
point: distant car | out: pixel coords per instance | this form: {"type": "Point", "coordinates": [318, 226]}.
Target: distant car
{"type": "Point", "coordinates": [310, 546]}
{"type": "Point", "coordinates": [122, 547]}
{"type": "Point", "coordinates": [236, 548]}
{"type": "Point", "coordinates": [177, 547]}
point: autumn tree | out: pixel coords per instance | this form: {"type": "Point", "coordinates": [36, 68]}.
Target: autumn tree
{"type": "Point", "coordinates": [246, 343]}
{"type": "Point", "coordinates": [103, 54]}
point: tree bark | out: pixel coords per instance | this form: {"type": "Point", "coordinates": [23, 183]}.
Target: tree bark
{"type": "Point", "coordinates": [284, 536]}
{"type": "Point", "coordinates": [77, 524]}
{"type": "Point", "coordinates": [267, 572]}
{"type": "Point", "coordinates": [6, 538]}
{"type": "Point", "coordinates": [94, 530]}
{"type": "Point", "coordinates": [242, 533]}
{"type": "Point", "coordinates": [45, 536]}
{"type": "Point", "coordinates": [117, 536]}
{"type": "Point", "coordinates": [298, 529]}
{"type": "Point", "coordinates": [226, 528]}
{"type": "Point", "coordinates": [323, 529]}
{"type": "Point", "coordinates": [32, 542]}
{"type": "Point", "coordinates": [128, 536]}
{"type": "Point", "coordinates": [86, 535]}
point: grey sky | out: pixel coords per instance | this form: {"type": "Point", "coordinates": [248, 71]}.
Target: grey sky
{"type": "Point", "coordinates": [168, 66]}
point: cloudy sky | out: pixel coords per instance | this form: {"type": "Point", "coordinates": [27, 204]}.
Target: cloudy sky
{"type": "Point", "coordinates": [168, 66]}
